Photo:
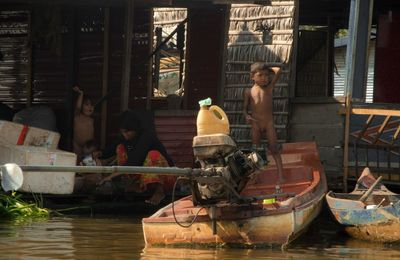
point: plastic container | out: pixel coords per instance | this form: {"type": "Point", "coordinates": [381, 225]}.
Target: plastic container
{"type": "Point", "coordinates": [269, 201]}
{"type": "Point", "coordinates": [212, 120]}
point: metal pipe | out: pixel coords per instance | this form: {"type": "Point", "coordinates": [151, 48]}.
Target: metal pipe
{"type": "Point", "coordinates": [111, 169]}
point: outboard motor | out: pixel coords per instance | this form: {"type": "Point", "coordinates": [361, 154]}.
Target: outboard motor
{"type": "Point", "coordinates": [226, 169]}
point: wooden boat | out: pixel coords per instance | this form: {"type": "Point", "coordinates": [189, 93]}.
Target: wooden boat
{"type": "Point", "coordinates": [370, 212]}
{"type": "Point", "coordinates": [274, 221]}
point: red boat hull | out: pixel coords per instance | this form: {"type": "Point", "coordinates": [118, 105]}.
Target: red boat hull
{"type": "Point", "coordinates": [252, 224]}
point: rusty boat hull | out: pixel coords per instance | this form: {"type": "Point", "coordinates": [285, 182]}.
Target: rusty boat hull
{"type": "Point", "coordinates": [377, 219]}
{"type": "Point", "coordinates": [254, 224]}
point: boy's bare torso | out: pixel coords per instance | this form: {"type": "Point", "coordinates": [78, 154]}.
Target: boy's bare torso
{"type": "Point", "coordinates": [83, 129]}
{"type": "Point", "coordinates": [261, 105]}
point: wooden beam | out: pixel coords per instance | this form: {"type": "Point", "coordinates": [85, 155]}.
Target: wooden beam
{"type": "Point", "coordinates": [187, 58]}
{"type": "Point", "coordinates": [330, 39]}
{"type": "Point", "coordinates": [346, 144]}
{"type": "Point", "coordinates": [223, 56]}
{"type": "Point", "coordinates": [293, 60]}
{"type": "Point", "coordinates": [381, 128]}
{"type": "Point", "coordinates": [105, 78]}
{"type": "Point", "coordinates": [181, 35]}
{"type": "Point", "coordinates": [395, 136]}
{"type": "Point", "coordinates": [374, 111]}
{"type": "Point", "coordinates": [350, 57]}
{"type": "Point", "coordinates": [361, 53]}
{"type": "Point", "coordinates": [72, 72]}
{"type": "Point", "coordinates": [127, 56]}
{"type": "Point", "coordinates": [365, 127]}
{"type": "Point", "coordinates": [150, 86]}
{"type": "Point", "coordinates": [29, 85]}
{"type": "Point", "coordinates": [357, 47]}
{"type": "Point", "coordinates": [157, 57]}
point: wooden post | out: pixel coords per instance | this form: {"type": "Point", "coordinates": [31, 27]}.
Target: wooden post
{"type": "Point", "coordinates": [187, 56]}
{"type": "Point", "coordinates": [224, 53]}
{"type": "Point", "coordinates": [150, 81]}
{"type": "Point", "coordinates": [330, 52]}
{"type": "Point", "coordinates": [362, 39]}
{"type": "Point", "coordinates": [181, 47]}
{"type": "Point", "coordinates": [105, 78]}
{"type": "Point", "coordinates": [357, 47]}
{"type": "Point", "coordinates": [127, 56]}
{"type": "Point", "coordinates": [293, 61]}
{"type": "Point", "coordinates": [346, 143]}
{"type": "Point", "coordinates": [157, 57]}
{"type": "Point", "coordinates": [73, 66]}
{"type": "Point", "coordinates": [29, 87]}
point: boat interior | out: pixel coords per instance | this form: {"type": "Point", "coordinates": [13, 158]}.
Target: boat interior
{"type": "Point", "coordinates": [296, 180]}
{"type": "Point", "coordinates": [301, 172]}
{"type": "Point", "coordinates": [302, 175]}
{"type": "Point", "coordinates": [380, 199]}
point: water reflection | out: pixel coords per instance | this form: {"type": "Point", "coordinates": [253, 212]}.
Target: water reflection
{"type": "Point", "coordinates": [122, 238]}
{"type": "Point", "coordinates": [72, 238]}
{"type": "Point", "coordinates": [232, 253]}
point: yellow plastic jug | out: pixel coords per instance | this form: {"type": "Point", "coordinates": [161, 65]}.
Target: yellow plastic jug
{"type": "Point", "coordinates": [212, 120]}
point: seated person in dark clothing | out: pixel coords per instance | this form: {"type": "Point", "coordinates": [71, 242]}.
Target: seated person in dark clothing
{"type": "Point", "coordinates": [137, 147]}
{"type": "Point", "coordinates": [6, 112]}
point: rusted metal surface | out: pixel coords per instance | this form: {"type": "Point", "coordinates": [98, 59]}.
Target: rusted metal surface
{"type": "Point", "coordinates": [376, 219]}
{"type": "Point", "coordinates": [254, 223]}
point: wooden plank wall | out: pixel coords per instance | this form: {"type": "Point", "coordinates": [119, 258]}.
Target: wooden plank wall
{"type": "Point", "coordinates": [311, 64]}
{"type": "Point", "coordinates": [176, 133]}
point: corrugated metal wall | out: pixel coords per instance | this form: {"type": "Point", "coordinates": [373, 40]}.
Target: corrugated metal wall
{"type": "Point", "coordinates": [340, 73]}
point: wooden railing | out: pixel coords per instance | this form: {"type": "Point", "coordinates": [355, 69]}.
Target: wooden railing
{"type": "Point", "coordinates": [374, 142]}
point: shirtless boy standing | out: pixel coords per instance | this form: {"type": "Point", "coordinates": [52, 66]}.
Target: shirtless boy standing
{"type": "Point", "coordinates": [83, 123]}
{"type": "Point", "coordinates": [259, 97]}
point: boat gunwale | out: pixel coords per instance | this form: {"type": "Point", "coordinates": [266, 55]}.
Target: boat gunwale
{"type": "Point", "coordinates": [351, 212]}
{"type": "Point", "coordinates": [300, 210]}
{"type": "Point", "coordinates": [296, 229]}
{"type": "Point", "coordinates": [309, 195]}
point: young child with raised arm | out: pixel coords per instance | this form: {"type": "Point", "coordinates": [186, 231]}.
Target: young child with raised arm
{"type": "Point", "coordinates": [259, 98]}
{"type": "Point", "coordinates": [83, 123]}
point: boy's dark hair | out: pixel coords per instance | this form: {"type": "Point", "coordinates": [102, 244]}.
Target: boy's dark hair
{"type": "Point", "coordinates": [259, 66]}
{"type": "Point", "coordinates": [87, 98]}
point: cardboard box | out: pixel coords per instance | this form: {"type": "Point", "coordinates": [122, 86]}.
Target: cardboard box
{"type": "Point", "coordinates": [41, 182]}
{"type": "Point", "coordinates": [17, 134]}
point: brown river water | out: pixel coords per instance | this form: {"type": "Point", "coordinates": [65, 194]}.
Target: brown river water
{"type": "Point", "coordinates": [115, 237]}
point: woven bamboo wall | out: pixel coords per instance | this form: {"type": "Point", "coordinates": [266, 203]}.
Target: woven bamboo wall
{"type": "Point", "coordinates": [169, 17]}
{"type": "Point", "coordinates": [247, 44]}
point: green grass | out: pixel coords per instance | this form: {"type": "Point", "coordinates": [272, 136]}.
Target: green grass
{"type": "Point", "coordinates": [12, 207]}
